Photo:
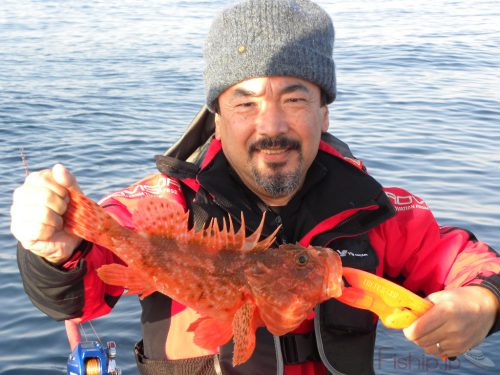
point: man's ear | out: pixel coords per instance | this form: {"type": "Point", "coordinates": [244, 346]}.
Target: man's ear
{"type": "Point", "coordinates": [217, 126]}
{"type": "Point", "coordinates": [325, 123]}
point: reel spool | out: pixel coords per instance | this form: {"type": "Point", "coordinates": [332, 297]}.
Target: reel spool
{"type": "Point", "coordinates": [90, 357]}
{"type": "Point", "coordinates": [93, 366]}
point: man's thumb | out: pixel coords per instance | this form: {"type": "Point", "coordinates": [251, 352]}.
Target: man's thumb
{"type": "Point", "coordinates": [64, 177]}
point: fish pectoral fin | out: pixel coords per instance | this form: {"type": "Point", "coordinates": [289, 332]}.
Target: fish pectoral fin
{"type": "Point", "coordinates": [281, 312]}
{"type": "Point", "coordinates": [245, 323]}
{"type": "Point", "coordinates": [283, 316]}
{"type": "Point", "coordinates": [210, 333]}
{"type": "Point", "coordinates": [117, 274]}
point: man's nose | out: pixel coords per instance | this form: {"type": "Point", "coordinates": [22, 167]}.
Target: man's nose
{"type": "Point", "coordinates": [271, 120]}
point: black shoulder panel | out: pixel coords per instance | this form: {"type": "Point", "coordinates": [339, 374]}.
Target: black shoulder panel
{"type": "Point", "coordinates": [184, 158]}
{"type": "Point", "coordinates": [196, 136]}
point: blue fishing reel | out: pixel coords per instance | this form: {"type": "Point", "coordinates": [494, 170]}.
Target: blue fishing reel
{"type": "Point", "coordinates": [91, 358]}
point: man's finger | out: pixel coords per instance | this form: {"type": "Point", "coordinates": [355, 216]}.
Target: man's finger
{"type": "Point", "coordinates": [29, 198]}
{"type": "Point", "coordinates": [33, 232]}
{"type": "Point", "coordinates": [425, 325]}
{"type": "Point", "coordinates": [64, 177]}
{"type": "Point", "coordinates": [42, 215]}
{"type": "Point", "coordinates": [44, 179]}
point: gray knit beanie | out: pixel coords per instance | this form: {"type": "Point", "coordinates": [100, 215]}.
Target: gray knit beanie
{"type": "Point", "coordinates": [257, 38]}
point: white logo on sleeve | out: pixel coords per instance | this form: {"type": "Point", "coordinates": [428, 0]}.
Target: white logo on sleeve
{"type": "Point", "coordinates": [406, 202]}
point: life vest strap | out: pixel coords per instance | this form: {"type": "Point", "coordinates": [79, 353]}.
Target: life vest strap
{"type": "Point", "coordinates": [299, 348]}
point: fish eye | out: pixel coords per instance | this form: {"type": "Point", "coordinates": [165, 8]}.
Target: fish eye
{"type": "Point", "coordinates": [301, 259]}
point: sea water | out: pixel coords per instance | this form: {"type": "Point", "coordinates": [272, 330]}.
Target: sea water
{"type": "Point", "coordinates": [103, 86]}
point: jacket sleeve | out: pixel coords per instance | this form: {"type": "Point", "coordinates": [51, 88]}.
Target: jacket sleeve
{"type": "Point", "coordinates": [55, 291]}
{"type": "Point", "coordinates": [425, 258]}
{"type": "Point", "coordinates": [76, 292]}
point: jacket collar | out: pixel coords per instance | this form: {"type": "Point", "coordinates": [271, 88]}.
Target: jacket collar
{"type": "Point", "coordinates": [333, 186]}
{"type": "Point", "coordinates": [336, 183]}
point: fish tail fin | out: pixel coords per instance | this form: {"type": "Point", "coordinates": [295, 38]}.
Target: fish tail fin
{"type": "Point", "coordinates": [210, 333]}
{"type": "Point", "coordinates": [86, 219]}
{"type": "Point", "coordinates": [117, 274]}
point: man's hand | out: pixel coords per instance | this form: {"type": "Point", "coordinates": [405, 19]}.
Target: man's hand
{"type": "Point", "coordinates": [459, 320]}
{"type": "Point", "coordinates": [37, 210]}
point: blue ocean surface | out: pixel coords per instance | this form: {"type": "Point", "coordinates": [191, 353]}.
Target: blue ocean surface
{"type": "Point", "coordinates": [102, 86]}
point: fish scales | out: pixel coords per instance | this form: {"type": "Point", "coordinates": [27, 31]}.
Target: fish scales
{"type": "Point", "coordinates": [195, 278]}
{"type": "Point", "coordinates": [236, 282]}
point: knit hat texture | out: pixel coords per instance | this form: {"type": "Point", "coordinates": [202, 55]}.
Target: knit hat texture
{"type": "Point", "coordinates": [258, 38]}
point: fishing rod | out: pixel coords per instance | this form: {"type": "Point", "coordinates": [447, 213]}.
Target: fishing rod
{"type": "Point", "coordinates": [89, 357]}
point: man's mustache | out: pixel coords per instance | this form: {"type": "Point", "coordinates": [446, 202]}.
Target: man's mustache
{"type": "Point", "coordinates": [275, 142]}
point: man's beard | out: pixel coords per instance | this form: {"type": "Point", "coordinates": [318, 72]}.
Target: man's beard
{"type": "Point", "coordinates": [276, 183]}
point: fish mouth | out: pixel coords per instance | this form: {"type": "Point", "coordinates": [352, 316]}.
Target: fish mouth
{"type": "Point", "coordinates": [333, 283]}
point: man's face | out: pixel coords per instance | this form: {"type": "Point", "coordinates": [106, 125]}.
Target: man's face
{"type": "Point", "coordinates": [270, 129]}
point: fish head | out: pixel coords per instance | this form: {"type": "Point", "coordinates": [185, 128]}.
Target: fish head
{"type": "Point", "coordinates": [310, 271]}
{"type": "Point", "coordinates": [332, 277]}
{"type": "Point", "coordinates": [287, 282]}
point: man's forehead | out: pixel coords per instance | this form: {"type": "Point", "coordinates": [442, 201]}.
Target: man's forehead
{"type": "Point", "coordinates": [279, 85]}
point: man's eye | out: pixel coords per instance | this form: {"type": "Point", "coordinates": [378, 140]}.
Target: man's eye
{"type": "Point", "coordinates": [246, 104]}
{"type": "Point", "coordinates": [295, 100]}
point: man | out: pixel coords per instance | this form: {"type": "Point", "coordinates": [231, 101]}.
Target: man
{"type": "Point", "coordinates": [269, 77]}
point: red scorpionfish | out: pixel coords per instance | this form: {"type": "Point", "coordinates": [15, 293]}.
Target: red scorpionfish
{"type": "Point", "coordinates": [236, 283]}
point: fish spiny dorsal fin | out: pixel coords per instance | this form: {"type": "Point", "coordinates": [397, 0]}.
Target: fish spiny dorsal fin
{"type": "Point", "coordinates": [239, 236]}
{"type": "Point", "coordinates": [191, 236]}
{"type": "Point", "coordinates": [218, 234]}
{"type": "Point", "coordinates": [268, 241]}
{"type": "Point", "coordinates": [252, 242]}
{"type": "Point", "coordinates": [204, 237]}
{"type": "Point", "coordinates": [231, 226]}
{"type": "Point", "coordinates": [213, 237]}
{"type": "Point", "coordinates": [160, 217]}
{"type": "Point", "coordinates": [224, 234]}
{"type": "Point", "coordinates": [238, 241]}
{"type": "Point", "coordinates": [231, 241]}
{"type": "Point", "coordinates": [199, 236]}
{"type": "Point", "coordinates": [208, 236]}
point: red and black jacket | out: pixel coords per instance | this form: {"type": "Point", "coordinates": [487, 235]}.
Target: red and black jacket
{"type": "Point", "coordinates": [387, 231]}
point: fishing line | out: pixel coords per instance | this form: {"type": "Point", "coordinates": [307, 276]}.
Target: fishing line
{"type": "Point", "coordinates": [23, 158]}
{"type": "Point", "coordinates": [84, 333]}
{"type": "Point", "coordinates": [95, 332]}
